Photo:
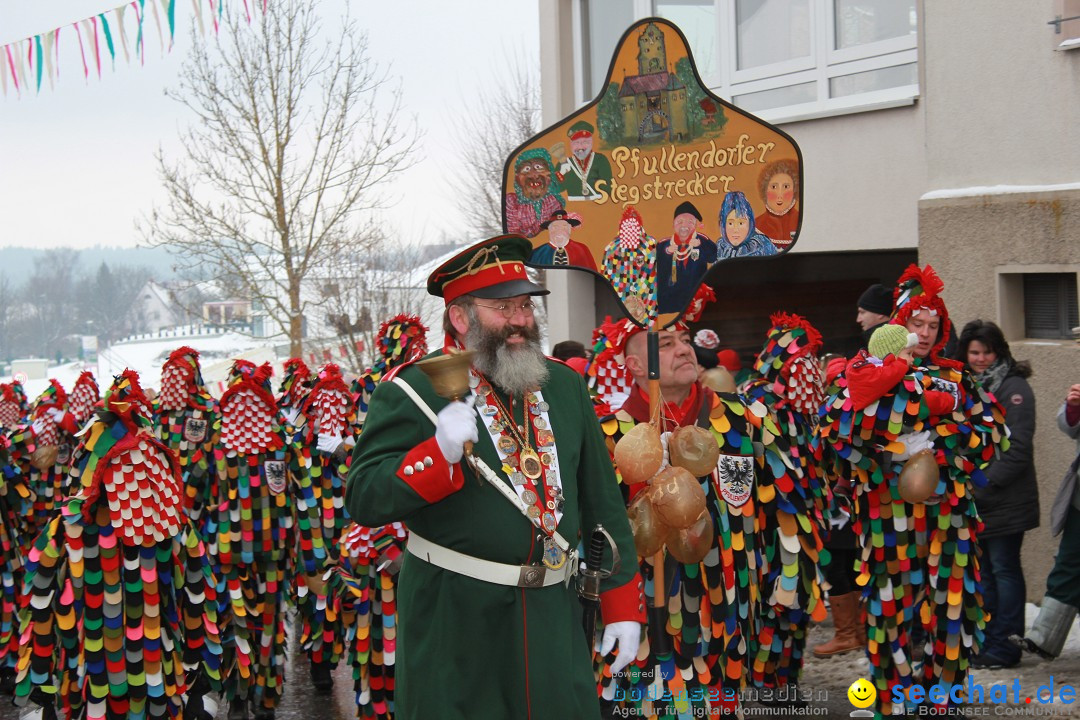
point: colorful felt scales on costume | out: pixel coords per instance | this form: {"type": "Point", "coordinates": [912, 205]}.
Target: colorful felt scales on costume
{"type": "Point", "coordinates": [13, 405]}
{"type": "Point", "coordinates": [401, 339]}
{"type": "Point", "coordinates": [608, 380]}
{"type": "Point", "coordinates": [330, 416]}
{"type": "Point", "coordinates": [83, 396]}
{"type": "Point", "coordinates": [919, 561]}
{"type": "Point", "coordinates": [364, 585]}
{"type": "Point", "coordinates": [788, 380]}
{"type": "Point", "coordinates": [187, 420]}
{"type": "Point", "coordinates": [294, 388]}
{"type": "Point", "coordinates": [42, 448]}
{"type": "Point", "coordinates": [765, 538]}
{"type": "Point", "coordinates": [262, 511]}
{"type": "Point", "coordinates": [120, 595]}
{"type": "Point", "coordinates": [14, 507]}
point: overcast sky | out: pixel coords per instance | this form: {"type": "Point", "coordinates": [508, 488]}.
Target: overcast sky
{"type": "Point", "coordinates": [76, 161]}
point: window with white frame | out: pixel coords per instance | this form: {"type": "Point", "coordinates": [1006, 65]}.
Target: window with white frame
{"type": "Point", "coordinates": [780, 59]}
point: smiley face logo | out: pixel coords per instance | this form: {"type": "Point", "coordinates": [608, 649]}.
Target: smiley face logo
{"type": "Point", "coordinates": [861, 694]}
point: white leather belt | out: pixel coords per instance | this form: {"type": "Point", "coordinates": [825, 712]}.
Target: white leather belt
{"type": "Point", "coordinates": [526, 576]}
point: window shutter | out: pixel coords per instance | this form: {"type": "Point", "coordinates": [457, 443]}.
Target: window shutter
{"type": "Point", "coordinates": [1050, 301]}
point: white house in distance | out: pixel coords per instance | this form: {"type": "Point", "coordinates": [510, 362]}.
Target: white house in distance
{"type": "Point", "coordinates": [937, 132]}
{"type": "Point", "coordinates": [156, 307]}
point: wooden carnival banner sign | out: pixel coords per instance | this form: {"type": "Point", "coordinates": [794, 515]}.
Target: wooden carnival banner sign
{"type": "Point", "coordinates": [654, 182]}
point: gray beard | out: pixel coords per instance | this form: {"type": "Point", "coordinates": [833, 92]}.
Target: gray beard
{"type": "Point", "coordinates": [516, 370]}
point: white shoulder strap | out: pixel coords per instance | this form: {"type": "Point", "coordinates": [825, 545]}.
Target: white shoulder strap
{"type": "Point", "coordinates": [481, 467]}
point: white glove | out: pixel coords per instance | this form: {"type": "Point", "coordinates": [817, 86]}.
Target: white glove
{"type": "Point", "coordinates": [913, 443]}
{"type": "Point", "coordinates": [628, 634]}
{"type": "Point", "coordinates": [38, 426]}
{"type": "Point", "coordinates": [56, 414]}
{"type": "Point", "coordinates": [456, 426]}
{"type": "Point", "coordinates": [666, 460]}
{"type": "Point", "coordinates": [328, 443]}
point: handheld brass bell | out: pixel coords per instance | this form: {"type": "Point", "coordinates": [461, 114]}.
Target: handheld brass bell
{"type": "Point", "coordinates": [449, 376]}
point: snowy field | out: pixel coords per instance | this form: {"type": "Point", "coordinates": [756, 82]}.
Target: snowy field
{"type": "Point", "coordinates": [146, 357]}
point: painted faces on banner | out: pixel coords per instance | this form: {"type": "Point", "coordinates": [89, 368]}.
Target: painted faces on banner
{"type": "Point", "coordinates": [663, 178]}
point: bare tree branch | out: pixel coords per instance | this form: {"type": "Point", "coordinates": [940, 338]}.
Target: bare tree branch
{"type": "Point", "coordinates": [505, 114]}
{"type": "Point", "coordinates": [297, 131]}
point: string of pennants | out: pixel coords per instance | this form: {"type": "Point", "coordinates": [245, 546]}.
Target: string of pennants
{"type": "Point", "coordinates": [26, 63]}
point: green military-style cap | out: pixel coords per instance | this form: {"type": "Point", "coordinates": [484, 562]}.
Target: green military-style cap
{"type": "Point", "coordinates": [491, 269]}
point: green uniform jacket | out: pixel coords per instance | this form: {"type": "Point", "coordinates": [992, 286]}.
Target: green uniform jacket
{"type": "Point", "coordinates": [468, 648]}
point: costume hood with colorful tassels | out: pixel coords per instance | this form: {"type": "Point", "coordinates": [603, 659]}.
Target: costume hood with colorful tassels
{"type": "Point", "coordinates": [182, 382]}
{"type": "Point", "coordinates": [788, 362]}
{"type": "Point", "coordinates": [295, 384]}
{"type": "Point", "coordinates": [13, 405]}
{"type": "Point", "coordinates": [401, 339]}
{"type": "Point", "coordinates": [83, 397]}
{"type": "Point", "coordinates": [249, 415]}
{"type": "Point", "coordinates": [54, 396]}
{"type": "Point", "coordinates": [920, 289]}
{"type": "Point", "coordinates": [121, 463]}
{"type": "Point", "coordinates": [328, 407]}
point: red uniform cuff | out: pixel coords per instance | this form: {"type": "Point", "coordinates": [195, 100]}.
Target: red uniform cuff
{"type": "Point", "coordinates": [426, 471]}
{"type": "Point", "coordinates": [626, 602]}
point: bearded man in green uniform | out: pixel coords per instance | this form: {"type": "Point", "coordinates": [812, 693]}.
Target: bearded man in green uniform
{"type": "Point", "coordinates": [490, 625]}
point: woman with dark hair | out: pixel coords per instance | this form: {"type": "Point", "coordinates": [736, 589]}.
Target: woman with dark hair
{"type": "Point", "coordinates": [1009, 503]}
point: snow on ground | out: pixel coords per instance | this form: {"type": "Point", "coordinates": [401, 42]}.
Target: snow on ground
{"type": "Point", "coordinates": [147, 354]}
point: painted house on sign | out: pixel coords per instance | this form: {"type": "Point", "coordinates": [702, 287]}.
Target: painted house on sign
{"type": "Point", "coordinates": [653, 103]}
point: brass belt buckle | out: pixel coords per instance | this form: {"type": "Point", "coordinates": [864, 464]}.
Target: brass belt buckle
{"type": "Point", "coordinates": [532, 576]}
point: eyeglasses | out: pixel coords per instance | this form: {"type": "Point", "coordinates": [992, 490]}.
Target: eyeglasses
{"type": "Point", "coordinates": [508, 310]}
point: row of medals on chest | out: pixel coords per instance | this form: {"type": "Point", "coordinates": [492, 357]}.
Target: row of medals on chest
{"type": "Point", "coordinates": [532, 465]}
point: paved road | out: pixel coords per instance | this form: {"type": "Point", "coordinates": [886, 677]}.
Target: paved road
{"type": "Point", "coordinates": [827, 680]}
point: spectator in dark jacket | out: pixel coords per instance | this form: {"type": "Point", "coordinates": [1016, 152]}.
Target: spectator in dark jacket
{"type": "Point", "coordinates": [1009, 504]}
{"type": "Point", "coordinates": [1059, 605]}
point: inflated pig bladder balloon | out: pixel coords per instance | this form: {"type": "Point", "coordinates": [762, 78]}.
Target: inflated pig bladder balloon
{"type": "Point", "coordinates": [639, 453]}
{"type": "Point", "coordinates": [691, 545]}
{"type": "Point", "coordinates": [919, 478]}
{"type": "Point", "coordinates": [649, 532]}
{"type": "Point", "coordinates": [677, 497]}
{"type": "Point", "coordinates": [695, 449]}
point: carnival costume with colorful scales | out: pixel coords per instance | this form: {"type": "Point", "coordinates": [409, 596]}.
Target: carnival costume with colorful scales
{"type": "Point", "coordinates": [789, 381]}
{"type": "Point", "coordinates": [919, 562]}
{"type": "Point", "coordinates": [119, 587]}
{"type": "Point", "coordinates": [365, 582]}
{"type": "Point", "coordinates": [187, 420]}
{"type": "Point", "coordinates": [757, 501]}
{"type": "Point", "coordinates": [263, 523]}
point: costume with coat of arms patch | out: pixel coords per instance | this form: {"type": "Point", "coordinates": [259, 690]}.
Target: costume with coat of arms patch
{"type": "Point", "coordinates": [262, 523]}
{"type": "Point", "coordinates": [120, 593]}
{"type": "Point", "coordinates": [187, 420]}
{"type": "Point", "coordinates": [763, 539]}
